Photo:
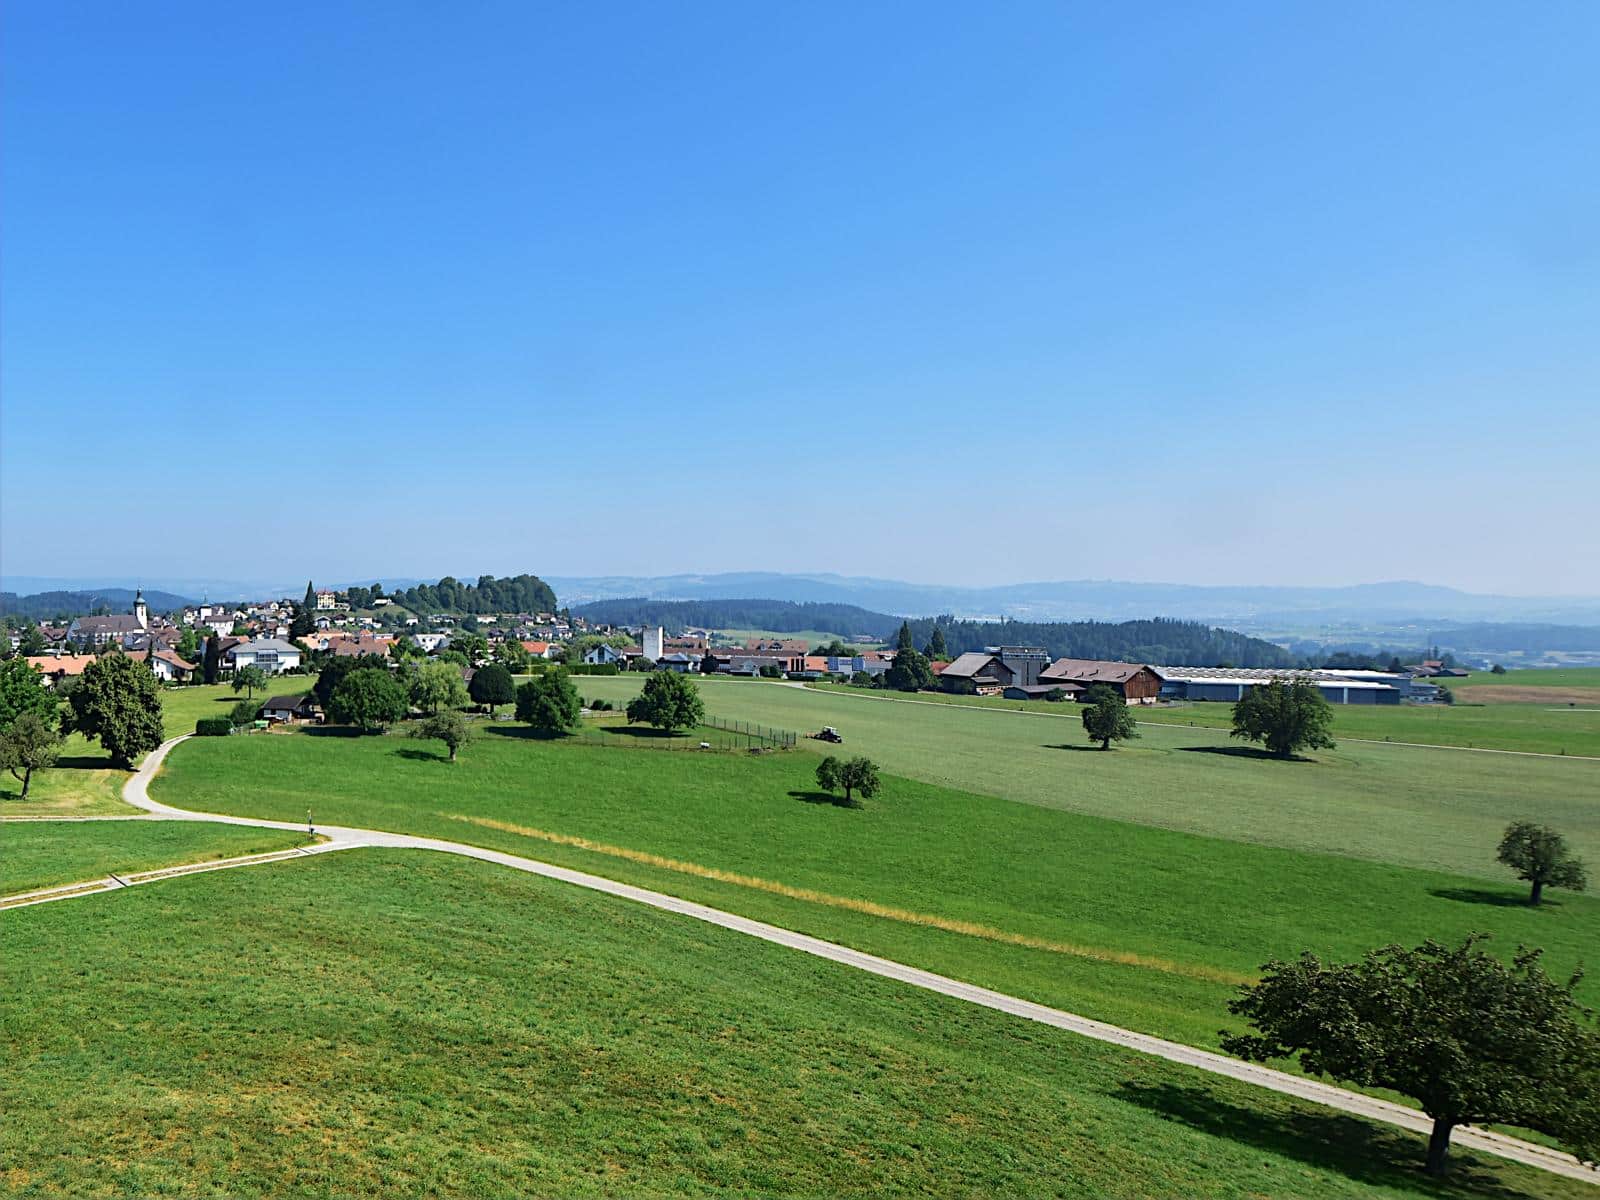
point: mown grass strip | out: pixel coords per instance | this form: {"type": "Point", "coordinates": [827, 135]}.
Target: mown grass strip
{"type": "Point", "coordinates": [867, 907]}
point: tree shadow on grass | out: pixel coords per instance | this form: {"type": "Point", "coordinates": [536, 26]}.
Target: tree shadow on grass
{"type": "Point", "coordinates": [1093, 749]}
{"type": "Point", "coordinates": [527, 732]}
{"type": "Point", "coordinates": [1368, 1153]}
{"type": "Point", "coordinates": [415, 755]}
{"type": "Point", "coordinates": [825, 798]}
{"type": "Point", "coordinates": [342, 731]}
{"type": "Point", "coordinates": [83, 762]}
{"type": "Point", "coordinates": [640, 731]}
{"type": "Point", "coordinates": [1500, 899]}
{"type": "Point", "coordinates": [1246, 752]}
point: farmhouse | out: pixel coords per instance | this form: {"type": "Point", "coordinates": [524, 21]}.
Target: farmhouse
{"type": "Point", "coordinates": [603, 655]}
{"type": "Point", "coordinates": [288, 709]}
{"type": "Point", "coordinates": [168, 666]}
{"type": "Point", "coordinates": [1134, 682]}
{"type": "Point", "coordinates": [990, 672]}
{"type": "Point", "coordinates": [56, 667]}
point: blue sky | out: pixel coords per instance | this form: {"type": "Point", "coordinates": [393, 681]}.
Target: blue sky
{"type": "Point", "coordinates": [1212, 293]}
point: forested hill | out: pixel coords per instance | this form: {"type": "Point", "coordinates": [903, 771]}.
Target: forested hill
{"type": "Point", "coordinates": [45, 606]}
{"type": "Point", "coordinates": [1160, 642]}
{"type": "Point", "coordinates": [1163, 642]}
{"type": "Point", "coordinates": [519, 594]}
{"type": "Point", "coordinates": [778, 616]}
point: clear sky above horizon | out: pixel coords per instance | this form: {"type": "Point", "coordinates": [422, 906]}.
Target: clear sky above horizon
{"type": "Point", "coordinates": [1232, 293]}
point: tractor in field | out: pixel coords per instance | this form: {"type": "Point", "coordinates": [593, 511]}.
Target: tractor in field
{"type": "Point", "coordinates": [829, 734]}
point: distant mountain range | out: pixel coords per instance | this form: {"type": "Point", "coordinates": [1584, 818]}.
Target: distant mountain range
{"type": "Point", "coordinates": [1252, 607]}
{"type": "Point", "coordinates": [42, 606]}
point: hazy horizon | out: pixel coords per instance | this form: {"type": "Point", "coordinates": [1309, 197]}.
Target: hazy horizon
{"type": "Point", "coordinates": [1240, 296]}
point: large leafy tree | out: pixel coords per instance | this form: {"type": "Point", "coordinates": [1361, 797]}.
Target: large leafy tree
{"type": "Point", "coordinates": [32, 641]}
{"type": "Point", "coordinates": [369, 700]}
{"type": "Point", "coordinates": [473, 646]}
{"type": "Point", "coordinates": [23, 690]}
{"type": "Point", "coordinates": [437, 685]}
{"type": "Point", "coordinates": [1539, 855]}
{"type": "Point", "coordinates": [118, 701]}
{"type": "Point", "coordinates": [248, 680]}
{"type": "Point", "coordinates": [1285, 714]}
{"type": "Point", "coordinates": [851, 776]}
{"type": "Point", "coordinates": [337, 669]}
{"type": "Point", "coordinates": [1471, 1039]}
{"type": "Point", "coordinates": [513, 655]}
{"type": "Point", "coordinates": [28, 744]}
{"type": "Point", "coordinates": [1107, 717]}
{"type": "Point", "coordinates": [491, 686]}
{"type": "Point", "coordinates": [669, 701]}
{"type": "Point", "coordinates": [447, 726]}
{"type": "Point", "coordinates": [550, 703]}
{"type": "Point", "coordinates": [909, 672]}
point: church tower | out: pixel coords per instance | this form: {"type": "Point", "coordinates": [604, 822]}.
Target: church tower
{"type": "Point", "coordinates": [141, 613]}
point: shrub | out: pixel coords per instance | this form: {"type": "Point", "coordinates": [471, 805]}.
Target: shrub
{"type": "Point", "coordinates": [213, 727]}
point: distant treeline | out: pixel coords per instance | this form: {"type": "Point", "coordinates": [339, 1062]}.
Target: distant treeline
{"type": "Point", "coordinates": [1174, 643]}
{"type": "Point", "coordinates": [519, 594]}
{"type": "Point", "coordinates": [45, 606]}
{"type": "Point", "coordinates": [1160, 641]}
{"type": "Point", "coordinates": [1530, 639]}
{"type": "Point", "coordinates": [779, 616]}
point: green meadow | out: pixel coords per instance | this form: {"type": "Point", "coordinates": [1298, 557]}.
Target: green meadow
{"type": "Point", "coordinates": [1532, 726]}
{"type": "Point", "coordinates": [1148, 927]}
{"type": "Point", "coordinates": [40, 854]}
{"type": "Point", "coordinates": [1437, 809]}
{"type": "Point", "coordinates": [381, 1024]}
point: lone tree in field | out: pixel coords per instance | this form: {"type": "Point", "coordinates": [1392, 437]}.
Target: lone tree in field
{"type": "Point", "coordinates": [669, 701]}
{"type": "Point", "coordinates": [1469, 1038]}
{"type": "Point", "coordinates": [492, 685]}
{"type": "Point", "coordinates": [28, 744]}
{"type": "Point", "coordinates": [1106, 716]}
{"type": "Point", "coordinates": [550, 703]}
{"type": "Point", "coordinates": [1287, 715]}
{"type": "Point", "coordinates": [1540, 856]}
{"type": "Point", "coordinates": [449, 727]}
{"type": "Point", "coordinates": [248, 679]}
{"type": "Point", "coordinates": [369, 700]}
{"type": "Point", "coordinates": [118, 701]}
{"type": "Point", "coordinates": [851, 776]}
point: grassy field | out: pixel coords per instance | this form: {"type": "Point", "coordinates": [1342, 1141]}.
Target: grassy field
{"type": "Point", "coordinates": [1146, 927]}
{"type": "Point", "coordinates": [404, 1024]}
{"type": "Point", "coordinates": [84, 783]}
{"type": "Point", "coordinates": [37, 854]}
{"type": "Point", "coordinates": [1541, 728]}
{"type": "Point", "coordinates": [1436, 809]}
{"type": "Point", "coordinates": [1569, 677]}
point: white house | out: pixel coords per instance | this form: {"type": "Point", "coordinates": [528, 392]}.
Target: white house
{"type": "Point", "coordinates": [272, 655]}
{"type": "Point", "coordinates": [602, 655]}
{"type": "Point", "coordinates": [169, 667]}
{"type": "Point", "coordinates": [429, 642]}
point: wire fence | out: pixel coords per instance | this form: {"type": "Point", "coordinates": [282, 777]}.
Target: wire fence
{"type": "Point", "coordinates": [713, 733]}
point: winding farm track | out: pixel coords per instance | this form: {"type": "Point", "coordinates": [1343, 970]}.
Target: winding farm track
{"type": "Point", "coordinates": [136, 792]}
